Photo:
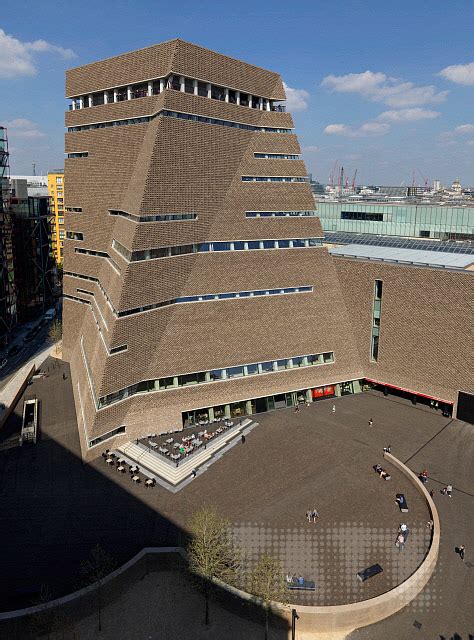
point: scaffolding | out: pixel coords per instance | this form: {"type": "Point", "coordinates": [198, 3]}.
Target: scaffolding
{"type": "Point", "coordinates": [8, 314]}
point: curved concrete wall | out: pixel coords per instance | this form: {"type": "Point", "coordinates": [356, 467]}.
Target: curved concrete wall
{"type": "Point", "coordinates": [322, 618]}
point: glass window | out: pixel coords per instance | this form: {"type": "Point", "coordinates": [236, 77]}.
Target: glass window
{"type": "Point", "coordinates": [221, 246]}
{"type": "Point", "coordinates": [328, 357]}
{"type": "Point", "coordinates": [269, 244]}
{"type": "Point", "coordinates": [202, 89]}
{"type": "Point", "coordinates": [266, 367]}
{"type": "Point", "coordinates": [244, 100]}
{"type": "Point", "coordinates": [281, 364]}
{"type": "Point", "coordinates": [298, 362]}
{"type": "Point", "coordinates": [188, 85]}
{"type": "Point", "coordinates": [235, 372]}
{"type": "Point", "coordinates": [166, 383]}
{"type": "Point", "coordinates": [239, 246]}
{"type": "Point", "coordinates": [283, 244]}
{"type": "Point", "coordinates": [252, 369]}
{"type": "Point", "coordinates": [253, 244]}
{"type": "Point", "coordinates": [216, 374]}
{"type": "Point", "coordinates": [237, 409]}
{"type": "Point", "coordinates": [298, 243]}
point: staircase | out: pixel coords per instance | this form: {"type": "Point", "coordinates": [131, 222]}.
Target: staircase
{"type": "Point", "coordinates": [156, 466]}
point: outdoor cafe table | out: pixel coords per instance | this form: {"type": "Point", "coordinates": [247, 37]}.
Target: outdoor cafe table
{"type": "Point", "coordinates": [176, 445]}
{"type": "Point", "coordinates": [110, 461]}
{"type": "Point", "coordinates": [163, 450]}
{"type": "Point", "coordinates": [135, 478]}
{"type": "Point", "coordinates": [175, 456]}
{"type": "Point", "coordinates": [153, 445]}
{"type": "Point", "coordinates": [169, 441]}
{"type": "Point", "coordinates": [197, 443]}
{"type": "Point", "coordinates": [121, 469]}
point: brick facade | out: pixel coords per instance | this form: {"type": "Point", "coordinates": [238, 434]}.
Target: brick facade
{"type": "Point", "coordinates": [172, 166]}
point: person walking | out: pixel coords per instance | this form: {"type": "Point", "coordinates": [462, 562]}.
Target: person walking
{"type": "Point", "coordinates": [242, 438]}
{"type": "Point", "coordinates": [432, 493]}
{"type": "Point", "coordinates": [400, 543]}
{"type": "Point", "coordinates": [315, 515]}
{"type": "Point", "coordinates": [371, 422]}
{"type": "Point", "coordinates": [462, 550]}
{"type": "Point", "coordinates": [309, 514]}
{"type": "Point", "coordinates": [449, 490]}
{"type": "Point", "coordinates": [334, 408]}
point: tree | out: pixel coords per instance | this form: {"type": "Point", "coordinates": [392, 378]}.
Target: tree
{"type": "Point", "coordinates": [97, 566]}
{"type": "Point", "coordinates": [56, 332]}
{"type": "Point", "coordinates": [268, 583]}
{"type": "Point", "coordinates": [211, 550]}
{"type": "Point", "coordinates": [51, 622]}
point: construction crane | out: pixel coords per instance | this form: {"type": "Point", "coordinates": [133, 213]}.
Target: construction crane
{"type": "Point", "coordinates": [354, 181]}
{"type": "Point", "coordinates": [333, 173]}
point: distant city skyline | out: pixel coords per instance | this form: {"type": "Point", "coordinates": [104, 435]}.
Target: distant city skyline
{"type": "Point", "coordinates": [369, 86]}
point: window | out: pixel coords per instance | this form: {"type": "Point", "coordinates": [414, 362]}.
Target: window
{"type": "Point", "coordinates": [235, 372]}
{"type": "Point", "coordinates": [188, 85]}
{"type": "Point", "coordinates": [376, 318]}
{"type": "Point", "coordinates": [361, 215]}
{"type": "Point", "coordinates": [73, 235]}
{"type": "Point", "coordinates": [59, 180]}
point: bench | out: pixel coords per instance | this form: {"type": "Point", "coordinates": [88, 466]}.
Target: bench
{"type": "Point", "coordinates": [370, 572]}
{"type": "Point", "coordinates": [307, 585]}
{"type": "Point", "coordinates": [402, 503]}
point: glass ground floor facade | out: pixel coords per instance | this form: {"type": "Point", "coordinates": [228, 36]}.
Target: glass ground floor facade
{"type": "Point", "coordinates": [270, 403]}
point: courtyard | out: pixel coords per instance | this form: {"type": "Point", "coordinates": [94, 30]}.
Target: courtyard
{"type": "Point", "coordinates": [55, 508]}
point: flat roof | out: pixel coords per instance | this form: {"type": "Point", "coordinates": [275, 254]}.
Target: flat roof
{"type": "Point", "coordinates": [397, 255]}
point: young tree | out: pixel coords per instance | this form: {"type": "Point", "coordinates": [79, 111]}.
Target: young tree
{"type": "Point", "coordinates": [56, 332]}
{"type": "Point", "coordinates": [97, 566]}
{"type": "Point", "coordinates": [268, 583]}
{"type": "Point", "coordinates": [212, 552]}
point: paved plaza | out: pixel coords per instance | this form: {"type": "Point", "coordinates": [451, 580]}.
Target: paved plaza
{"type": "Point", "coordinates": [55, 508]}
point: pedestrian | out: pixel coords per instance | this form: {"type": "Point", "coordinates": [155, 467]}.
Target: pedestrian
{"type": "Point", "coordinates": [449, 490]}
{"type": "Point", "coordinates": [64, 376]}
{"type": "Point", "coordinates": [242, 437]}
{"type": "Point", "coordinates": [400, 543]}
{"type": "Point", "coordinates": [371, 422]}
{"type": "Point", "coordinates": [430, 524]}
{"type": "Point", "coordinates": [194, 473]}
{"type": "Point", "coordinates": [308, 515]}
{"type": "Point", "coordinates": [334, 408]}
{"type": "Point", "coordinates": [461, 550]}
{"type": "Point", "coordinates": [432, 493]}
{"type": "Point", "coordinates": [297, 408]}
{"type": "Point", "coordinates": [387, 449]}
{"type": "Point", "coordinates": [315, 515]}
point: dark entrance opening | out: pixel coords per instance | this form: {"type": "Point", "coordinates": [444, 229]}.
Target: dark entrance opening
{"type": "Point", "coordinates": [465, 410]}
{"type": "Point", "coordinates": [260, 405]}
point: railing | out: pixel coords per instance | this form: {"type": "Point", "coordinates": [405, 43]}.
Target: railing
{"type": "Point", "coordinates": [278, 107]}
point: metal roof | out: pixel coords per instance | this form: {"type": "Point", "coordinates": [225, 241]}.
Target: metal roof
{"type": "Point", "coordinates": [405, 256]}
{"type": "Point", "coordinates": [341, 237]}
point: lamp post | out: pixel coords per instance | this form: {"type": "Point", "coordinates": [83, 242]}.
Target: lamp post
{"type": "Point", "coordinates": [294, 618]}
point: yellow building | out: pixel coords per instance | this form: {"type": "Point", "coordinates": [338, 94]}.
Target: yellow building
{"type": "Point", "coordinates": [56, 195]}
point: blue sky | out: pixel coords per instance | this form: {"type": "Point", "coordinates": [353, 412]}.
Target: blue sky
{"type": "Point", "coordinates": [385, 88]}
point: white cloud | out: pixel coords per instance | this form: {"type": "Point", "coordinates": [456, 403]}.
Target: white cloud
{"type": "Point", "coordinates": [296, 99]}
{"type": "Point", "coordinates": [459, 73]}
{"type": "Point", "coordinates": [22, 128]}
{"type": "Point", "coordinates": [367, 129]}
{"type": "Point", "coordinates": [408, 115]}
{"type": "Point", "coordinates": [311, 149]}
{"type": "Point", "coordinates": [463, 129]}
{"type": "Point", "coordinates": [17, 58]}
{"type": "Point", "coordinates": [379, 87]}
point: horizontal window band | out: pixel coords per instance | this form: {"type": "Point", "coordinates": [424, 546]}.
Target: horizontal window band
{"type": "Point", "coordinates": [163, 217]}
{"type": "Point", "coordinates": [181, 115]}
{"type": "Point", "coordinates": [215, 375]}
{"type": "Point", "coordinates": [207, 297]}
{"type": "Point", "coordinates": [280, 214]}
{"type": "Point", "coordinates": [78, 154]}
{"type": "Point", "coordinates": [74, 209]}
{"type": "Point", "coordinates": [98, 254]}
{"type": "Point", "coordinates": [275, 179]}
{"type": "Point", "coordinates": [210, 247]}
{"type": "Point", "coordinates": [277, 156]}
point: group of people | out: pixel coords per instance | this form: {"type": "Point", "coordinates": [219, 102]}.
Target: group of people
{"type": "Point", "coordinates": [294, 579]}
{"type": "Point", "coordinates": [312, 515]}
{"type": "Point", "coordinates": [382, 473]}
{"type": "Point", "coordinates": [423, 476]}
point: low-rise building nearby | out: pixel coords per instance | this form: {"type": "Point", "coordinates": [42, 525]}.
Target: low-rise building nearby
{"type": "Point", "coordinates": [411, 220]}
{"type": "Point", "coordinates": [56, 194]}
